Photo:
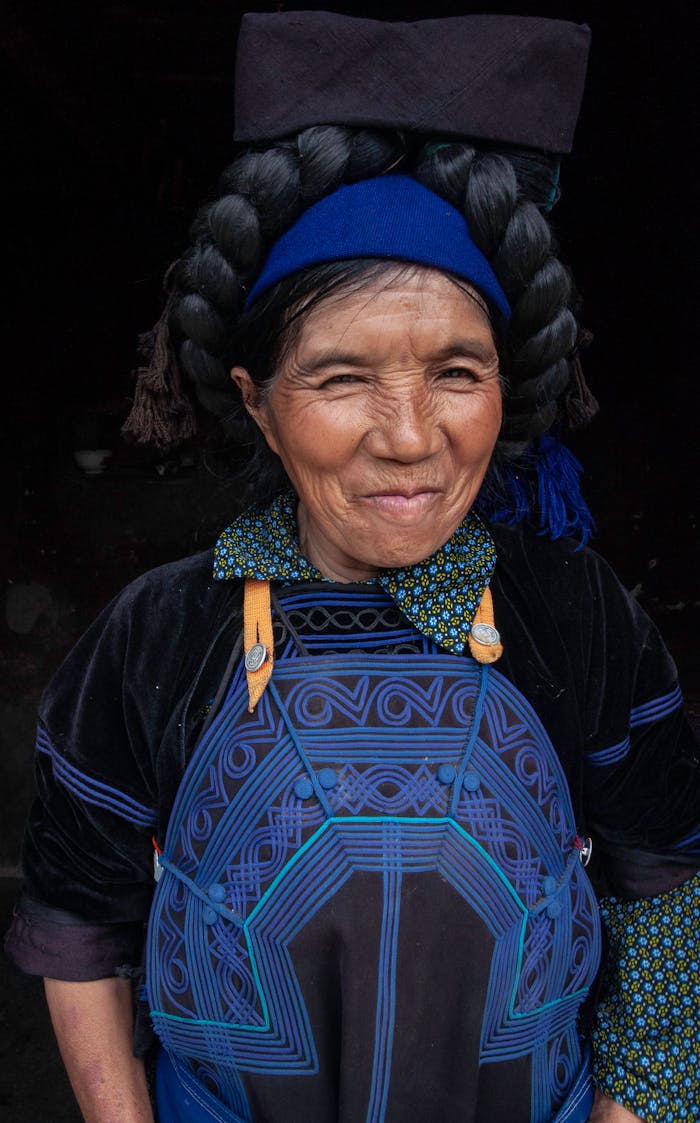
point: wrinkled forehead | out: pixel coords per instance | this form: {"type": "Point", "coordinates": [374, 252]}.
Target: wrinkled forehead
{"type": "Point", "coordinates": [398, 313]}
{"type": "Point", "coordinates": [384, 287]}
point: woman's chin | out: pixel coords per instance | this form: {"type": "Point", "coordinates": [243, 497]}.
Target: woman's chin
{"type": "Point", "coordinates": [365, 560]}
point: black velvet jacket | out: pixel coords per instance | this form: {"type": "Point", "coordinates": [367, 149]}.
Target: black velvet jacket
{"type": "Point", "coordinates": [123, 715]}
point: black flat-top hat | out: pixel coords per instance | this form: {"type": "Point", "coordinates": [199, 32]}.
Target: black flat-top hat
{"type": "Point", "coordinates": [510, 79]}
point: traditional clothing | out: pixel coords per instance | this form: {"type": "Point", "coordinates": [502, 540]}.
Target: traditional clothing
{"type": "Point", "coordinates": [371, 902]}
{"type": "Point", "coordinates": [370, 899]}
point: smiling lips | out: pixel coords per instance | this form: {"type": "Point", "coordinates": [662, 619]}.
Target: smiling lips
{"type": "Point", "coordinates": [403, 504]}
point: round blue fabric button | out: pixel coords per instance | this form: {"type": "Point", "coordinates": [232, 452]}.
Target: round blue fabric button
{"type": "Point", "coordinates": [471, 781]}
{"type": "Point", "coordinates": [327, 778]}
{"type": "Point", "coordinates": [303, 789]}
{"type": "Point", "coordinates": [550, 884]}
{"type": "Point", "coordinates": [209, 916]}
{"type": "Point", "coordinates": [446, 774]}
{"type": "Point", "coordinates": [217, 893]}
{"type": "Point", "coordinates": [553, 909]}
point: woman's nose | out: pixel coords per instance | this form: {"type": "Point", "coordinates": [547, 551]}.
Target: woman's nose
{"type": "Point", "coordinates": [407, 431]}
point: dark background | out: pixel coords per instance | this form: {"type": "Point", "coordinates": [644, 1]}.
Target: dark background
{"type": "Point", "coordinates": [116, 119]}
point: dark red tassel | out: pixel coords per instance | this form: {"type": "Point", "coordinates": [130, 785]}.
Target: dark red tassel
{"type": "Point", "coordinates": [580, 404]}
{"type": "Point", "coordinates": [161, 414]}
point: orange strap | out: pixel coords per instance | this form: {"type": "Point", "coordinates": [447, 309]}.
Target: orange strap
{"type": "Point", "coordinates": [487, 648]}
{"type": "Point", "coordinates": [484, 640]}
{"type": "Point", "coordinates": [258, 644]}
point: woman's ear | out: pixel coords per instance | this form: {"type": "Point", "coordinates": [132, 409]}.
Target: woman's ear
{"type": "Point", "coordinates": [247, 388]}
{"type": "Point", "coordinates": [254, 404]}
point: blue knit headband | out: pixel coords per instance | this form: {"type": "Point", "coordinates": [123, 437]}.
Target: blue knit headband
{"type": "Point", "coordinates": [391, 217]}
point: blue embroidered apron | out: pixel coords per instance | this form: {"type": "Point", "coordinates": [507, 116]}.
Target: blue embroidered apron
{"type": "Point", "coordinates": [371, 906]}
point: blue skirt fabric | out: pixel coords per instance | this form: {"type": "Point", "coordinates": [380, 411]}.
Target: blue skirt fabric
{"type": "Point", "coordinates": [181, 1099]}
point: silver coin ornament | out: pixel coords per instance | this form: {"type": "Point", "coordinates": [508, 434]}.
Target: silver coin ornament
{"type": "Point", "coordinates": [485, 634]}
{"type": "Point", "coordinates": [586, 851]}
{"type": "Point", "coordinates": [255, 656]}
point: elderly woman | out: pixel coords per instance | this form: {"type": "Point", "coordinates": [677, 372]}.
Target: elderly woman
{"type": "Point", "coordinates": [367, 745]}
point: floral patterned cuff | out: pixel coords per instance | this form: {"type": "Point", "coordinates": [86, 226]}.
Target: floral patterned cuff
{"type": "Point", "coordinates": [646, 1036]}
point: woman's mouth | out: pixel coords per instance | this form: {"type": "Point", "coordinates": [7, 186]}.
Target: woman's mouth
{"type": "Point", "coordinates": [402, 504]}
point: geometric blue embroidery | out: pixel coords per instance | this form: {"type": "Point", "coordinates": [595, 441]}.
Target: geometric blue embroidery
{"type": "Point", "coordinates": [332, 612]}
{"type": "Point", "coordinates": [281, 1040]}
{"type": "Point", "coordinates": [392, 869]}
{"type": "Point", "coordinates": [93, 791]}
{"type": "Point", "coordinates": [419, 765]}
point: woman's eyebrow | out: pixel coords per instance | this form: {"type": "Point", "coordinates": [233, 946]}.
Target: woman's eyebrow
{"type": "Point", "coordinates": [332, 358]}
{"type": "Point", "coordinates": [465, 348]}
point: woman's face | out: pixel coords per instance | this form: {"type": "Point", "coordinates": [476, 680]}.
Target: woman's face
{"type": "Point", "coordinates": [384, 412]}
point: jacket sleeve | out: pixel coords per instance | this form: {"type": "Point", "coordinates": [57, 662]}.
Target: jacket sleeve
{"type": "Point", "coordinates": [100, 769]}
{"type": "Point", "coordinates": [642, 788]}
{"type": "Point", "coordinates": [642, 763]}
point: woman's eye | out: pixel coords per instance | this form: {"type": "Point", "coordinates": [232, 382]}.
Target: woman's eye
{"type": "Point", "coordinates": [455, 373]}
{"type": "Point", "coordinates": [339, 380]}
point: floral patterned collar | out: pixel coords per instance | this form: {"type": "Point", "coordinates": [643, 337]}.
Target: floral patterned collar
{"type": "Point", "coordinates": [439, 595]}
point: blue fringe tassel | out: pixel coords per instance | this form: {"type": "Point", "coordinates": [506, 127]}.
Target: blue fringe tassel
{"type": "Point", "coordinates": [563, 510]}
{"type": "Point", "coordinates": [548, 486]}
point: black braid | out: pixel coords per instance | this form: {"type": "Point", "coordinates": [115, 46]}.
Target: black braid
{"type": "Point", "coordinates": [494, 191]}
{"type": "Point", "coordinates": [502, 194]}
{"type": "Point", "coordinates": [262, 195]}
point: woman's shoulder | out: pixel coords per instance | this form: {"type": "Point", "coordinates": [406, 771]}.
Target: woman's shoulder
{"type": "Point", "coordinates": [156, 627]}
{"type": "Point", "coordinates": [171, 597]}
{"type": "Point", "coordinates": [568, 591]}
{"type": "Point", "coordinates": [191, 577]}
{"type": "Point", "coordinates": [567, 599]}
